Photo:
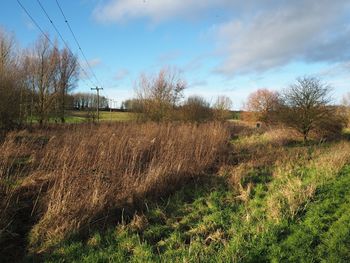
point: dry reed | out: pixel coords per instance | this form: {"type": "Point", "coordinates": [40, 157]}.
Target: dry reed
{"type": "Point", "coordinates": [83, 173]}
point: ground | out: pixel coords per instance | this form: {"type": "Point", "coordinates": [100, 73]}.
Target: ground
{"type": "Point", "coordinates": [270, 198]}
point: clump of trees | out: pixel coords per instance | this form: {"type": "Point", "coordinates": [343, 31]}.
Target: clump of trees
{"type": "Point", "coordinates": [34, 83]}
{"type": "Point", "coordinates": [196, 109]}
{"type": "Point", "coordinates": [88, 101]}
{"type": "Point", "coordinates": [157, 96]}
{"type": "Point", "coordinates": [305, 106]}
{"type": "Point", "coordinates": [160, 98]}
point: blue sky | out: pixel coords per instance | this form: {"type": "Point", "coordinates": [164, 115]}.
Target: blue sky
{"type": "Point", "coordinates": [222, 47]}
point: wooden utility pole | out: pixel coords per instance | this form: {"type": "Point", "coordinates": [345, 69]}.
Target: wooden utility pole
{"type": "Point", "coordinates": [98, 101]}
{"type": "Point", "coordinates": [110, 107]}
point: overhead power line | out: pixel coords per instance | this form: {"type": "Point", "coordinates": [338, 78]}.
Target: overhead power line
{"type": "Point", "coordinates": [47, 37]}
{"type": "Point", "coordinates": [35, 23]}
{"type": "Point", "coordinates": [77, 42]}
{"type": "Point", "coordinates": [63, 40]}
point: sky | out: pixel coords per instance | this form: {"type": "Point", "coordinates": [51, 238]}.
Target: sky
{"type": "Point", "coordinates": [221, 47]}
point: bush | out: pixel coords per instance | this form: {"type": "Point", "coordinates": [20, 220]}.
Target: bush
{"type": "Point", "coordinates": [196, 109]}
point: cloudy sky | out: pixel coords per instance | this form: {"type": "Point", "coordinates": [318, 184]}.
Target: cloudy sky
{"type": "Point", "coordinates": [222, 47]}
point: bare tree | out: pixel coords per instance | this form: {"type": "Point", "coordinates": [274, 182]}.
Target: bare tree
{"type": "Point", "coordinates": [65, 80]}
{"type": "Point", "coordinates": [306, 106]}
{"type": "Point", "coordinates": [11, 113]}
{"type": "Point", "coordinates": [159, 95]}
{"type": "Point", "coordinates": [222, 107]}
{"type": "Point", "coordinates": [44, 63]}
{"type": "Point", "coordinates": [262, 104]}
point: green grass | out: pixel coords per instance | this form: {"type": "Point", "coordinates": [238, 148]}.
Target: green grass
{"type": "Point", "coordinates": [322, 234]}
{"type": "Point", "coordinates": [83, 116]}
{"type": "Point", "coordinates": [116, 116]}
{"type": "Point", "coordinates": [210, 221]}
{"type": "Point", "coordinates": [206, 222]}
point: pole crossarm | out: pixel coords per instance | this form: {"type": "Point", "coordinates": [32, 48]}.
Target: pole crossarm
{"type": "Point", "coordinates": [98, 101]}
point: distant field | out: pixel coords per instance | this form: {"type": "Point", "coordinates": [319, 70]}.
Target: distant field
{"type": "Point", "coordinates": [83, 116]}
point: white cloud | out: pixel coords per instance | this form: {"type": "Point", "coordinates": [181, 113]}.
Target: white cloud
{"type": "Point", "coordinates": [156, 10]}
{"type": "Point", "coordinates": [311, 31]}
{"type": "Point", "coordinates": [256, 35]}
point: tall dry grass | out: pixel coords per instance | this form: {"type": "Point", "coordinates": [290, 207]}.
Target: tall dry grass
{"type": "Point", "coordinates": [80, 174]}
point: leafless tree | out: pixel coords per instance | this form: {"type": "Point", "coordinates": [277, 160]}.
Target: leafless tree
{"type": "Point", "coordinates": [160, 94]}
{"type": "Point", "coordinates": [65, 79]}
{"type": "Point", "coordinates": [44, 64]}
{"type": "Point", "coordinates": [11, 93]}
{"type": "Point", "coordinates": [222, 107]}
{"type": "Point", "coordinates": [306, 106]}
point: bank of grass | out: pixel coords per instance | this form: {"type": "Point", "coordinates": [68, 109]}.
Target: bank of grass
{"type": "Point", "coordinates": [181, 194]}
{"type": "Point", "coordinates": [210, 222]}
{"type": "Point", "coordinates": [291, 206]}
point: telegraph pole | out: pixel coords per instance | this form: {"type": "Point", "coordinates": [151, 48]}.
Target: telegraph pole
{"type": "Point", "coordinates": [98, 101]}
{"type": "Point", "coordinates": [110, 107]}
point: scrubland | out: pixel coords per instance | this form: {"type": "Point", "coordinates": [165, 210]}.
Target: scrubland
{"type": "Point", "coordinates": [130, 192]}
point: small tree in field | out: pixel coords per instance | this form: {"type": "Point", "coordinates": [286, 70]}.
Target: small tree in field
{"type": "Point", "coordinates": [306, 107]}
{"type": "Point", "coordinates": [262, 104]}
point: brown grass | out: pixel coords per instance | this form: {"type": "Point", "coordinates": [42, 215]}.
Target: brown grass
{"type": "Point", "coordinates": [80, 174]}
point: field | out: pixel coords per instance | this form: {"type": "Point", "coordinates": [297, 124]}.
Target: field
{"type": "Point", "coordinates": [76, 117]}
{"type": "Point", "coordinates": [213, 192]}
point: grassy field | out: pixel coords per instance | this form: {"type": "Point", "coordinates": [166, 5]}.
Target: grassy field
{"type": "Point", "coordinates": [174, 193]}
{"type": "Point", "coordinates": [76, 117]}
{"type": "Point", "coordinates": [207, 223]}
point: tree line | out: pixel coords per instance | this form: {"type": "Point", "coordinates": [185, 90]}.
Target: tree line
{"type": "Point", "coordinates": [160, 97]}
{"type": "Point", "coordinates": [36, 83]}
{"type": "Point", "coordinates": [305, 106]}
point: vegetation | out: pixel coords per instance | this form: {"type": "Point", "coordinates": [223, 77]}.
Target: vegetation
{"type": "Point", "coordinates": [262, 106]}
{"type": "Point", "coordinates": [171, 181]}
{"type": "Point", "coordinates": [210, 224]}
{"type": "Point", "coordinates": [127, 162]}
{"type": "Point", "coordinates": [306, 107]}
{"type": "Point", "coordinates": [177, 193]}
{"type": "Point", "coordinates": [157, 96]}
{"type": "Point", "coordinates": [89, 115]}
